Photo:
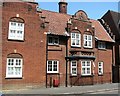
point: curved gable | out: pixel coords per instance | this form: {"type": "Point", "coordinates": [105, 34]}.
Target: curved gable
{"type": "Point", "coordinates": [81, 15]}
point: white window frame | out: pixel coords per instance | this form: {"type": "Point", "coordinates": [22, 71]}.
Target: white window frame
{"type": "Point", "coordinates": [53, 40]}
{"type": "Point", "coordinates": [16, 31]}
{"type": "Point", "coordinates": [86, 67]}
{"type": "Point", "coordinates": [87, 41]}
{"type": "Point", "coordinates": [101, 45]}
{"type": "Point", "coordinates": [14, 66]}
{"type": "Point", "coordinates": [75, 39]}
{"type": "Point", "coordinates": [73, 67]}
{"type": "Point", "coordinates": [100, 68]}
{"type": "Point", "coordinates": [52, 71]}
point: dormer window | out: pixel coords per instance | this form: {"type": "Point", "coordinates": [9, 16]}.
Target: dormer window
{"type": "Point", "coordinates": [53, 40]}
{"type": "Point", "coordinates": [101, 45]}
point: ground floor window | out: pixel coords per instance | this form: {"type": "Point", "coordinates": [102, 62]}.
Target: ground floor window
{"type": "Point", "coordinates": [85, 67]}
{"type": "Point", "coordinates": [52, 66]}
{"type": "Point", "coordinates": [73, 68]}
{"type": "Point", "coordinates": [100, 68]}
{"type": "Point", "coordinates": [14, 67]}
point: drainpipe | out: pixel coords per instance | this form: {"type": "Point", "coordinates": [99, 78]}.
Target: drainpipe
{"type": "Point", "coordinates": [46, 57]}
{"type": "Point", "coordinates": [66, 79]}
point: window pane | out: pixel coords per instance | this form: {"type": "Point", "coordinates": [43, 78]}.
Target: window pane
{"type": "Point", "coordinates": [88, 63]}
{"type": "Point", "coordinates": [89, 37]}
{"type": "Point", "coordinates": [10, 70]}
{"type": "Point", "coordinates": [77, 36]}
{"type": "Point", "coordinates": [77, 42]}
{"type": "Point", "coordinates": [88, 70]}
{"type": "Point", "coordinates": [56, 40]}
{"type": "Point", "coordinates": [85, 37]}
{"type": "Point", "coordinates": [49, 67]}
{"type": "Point", "coordinates": [73, 42]}
{"type": "Point", "coordinates": [83, 63]}
{"type": "Point", "coordinates": [17, 70]}
{"type": "Point", "coordinates": [16, 62]}
{"type": "Point", "coordinates": [83, 70]}
{"type": "Point", "coordinates": [73, 35]}
{"type": "Point", "coordinates": [85, 44]}
{"type": "Point", "coordinates": [74, 71]}
{"type": "Point", "coordinates": [55, 67]}
{"type": "Point", "coordinates": [19, 62]}
{"type": "Point", "coordinates": [50, 40]}
{"type": "Point", "coordinates": [89, 43]}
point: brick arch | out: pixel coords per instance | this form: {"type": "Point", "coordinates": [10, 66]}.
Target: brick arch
{"type": "Point", "coordinates": [14, 55]}
{"type": "Point", "coordinates": [76, 31]}
{"type": "Point", "coordinates": [17, 19]}
{"type": "Point", "coordinates": [88, 32]}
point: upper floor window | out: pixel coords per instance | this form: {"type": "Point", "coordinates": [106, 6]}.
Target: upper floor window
{"type": "Point", "coordinates": [86, 68]}
{"type": "Point", "coordinates": [52, 66]}
{"type": "Point", "coordinates": [73, 68]}
{"type": "Point", "coordinates": [87, 41]}
{"type": "Point", "coordinates": [100, 68]}
{"type": "Point", "coordinates": [14, 66]}
{"type": "Point", "coordinates": [16, 29]}
{"type": "Point", "coordinates": [75, 39]}
{"type": "Point", "coordinates": [101, 45]}
{"type": "Point", "coordinates": [53, 40]}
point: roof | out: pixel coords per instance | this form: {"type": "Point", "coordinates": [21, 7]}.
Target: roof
{"type": "Point", "coordinates": [112, 18]}
{"type": "Point", "coordinates": [100, 32]}
{"type": "Point", "coordinates": [57, 21]}
{"type": "Point", "coordinates": [116, 19]}
{"type": "Point", "coordinates": [115, 16]}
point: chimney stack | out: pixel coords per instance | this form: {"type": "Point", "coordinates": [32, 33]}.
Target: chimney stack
{"type": "Point", "coordinates": [63, 6]}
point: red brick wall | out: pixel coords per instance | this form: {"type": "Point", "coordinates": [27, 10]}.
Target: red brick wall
{"type": "Point", "coordinates": [33, 48]}
{"type": "Point", "coordinates": [58, 55]}
{"type": "Point", "coordinates": [100, 55]}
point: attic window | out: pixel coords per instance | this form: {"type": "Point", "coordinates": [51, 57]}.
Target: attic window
{"type": "Point", "coordinates": [101, 45]}
{"type": "Point", "coordinates": [53, 40]}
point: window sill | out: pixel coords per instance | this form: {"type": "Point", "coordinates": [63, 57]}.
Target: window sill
{"type": "Point", "coordinates": [13, 77]}
{"type": "Point", "coordinates": [100, 74]}
{"type": "Point", "coordinates": [75, 46]}
{"type": "Point", "coordinates": [87, 75]}
{"type": "Point", "coordinates": [53, 73]}
{"type": "Point", "coordinates": [53, 44]}
{"type": "Point", "coordinates": [16, 40]}
{"type": "Point", "coordinates": [102, 49]}
{"type": "Point", "coordinates": [73, 75]}
{"type": "Point", "coordinates": [87, 47]}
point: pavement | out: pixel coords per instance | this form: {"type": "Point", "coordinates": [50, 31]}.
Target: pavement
{"type": "Point", "coordinates": [66, 90]}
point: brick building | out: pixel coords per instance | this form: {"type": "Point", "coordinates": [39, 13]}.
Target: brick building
{"type": "Point", "coordinates": [111, 22]}
{"type": "Point", "coordinates": [41, 47]}
{"type": "Point", "coordinates": [23, 44]}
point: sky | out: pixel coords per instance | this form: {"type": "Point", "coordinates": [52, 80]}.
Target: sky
{"type": "Point", "coordinates": [94, 10]}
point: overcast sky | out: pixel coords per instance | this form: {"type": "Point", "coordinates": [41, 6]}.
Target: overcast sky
{"type": "Point", "coordinates": [94, 10]}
